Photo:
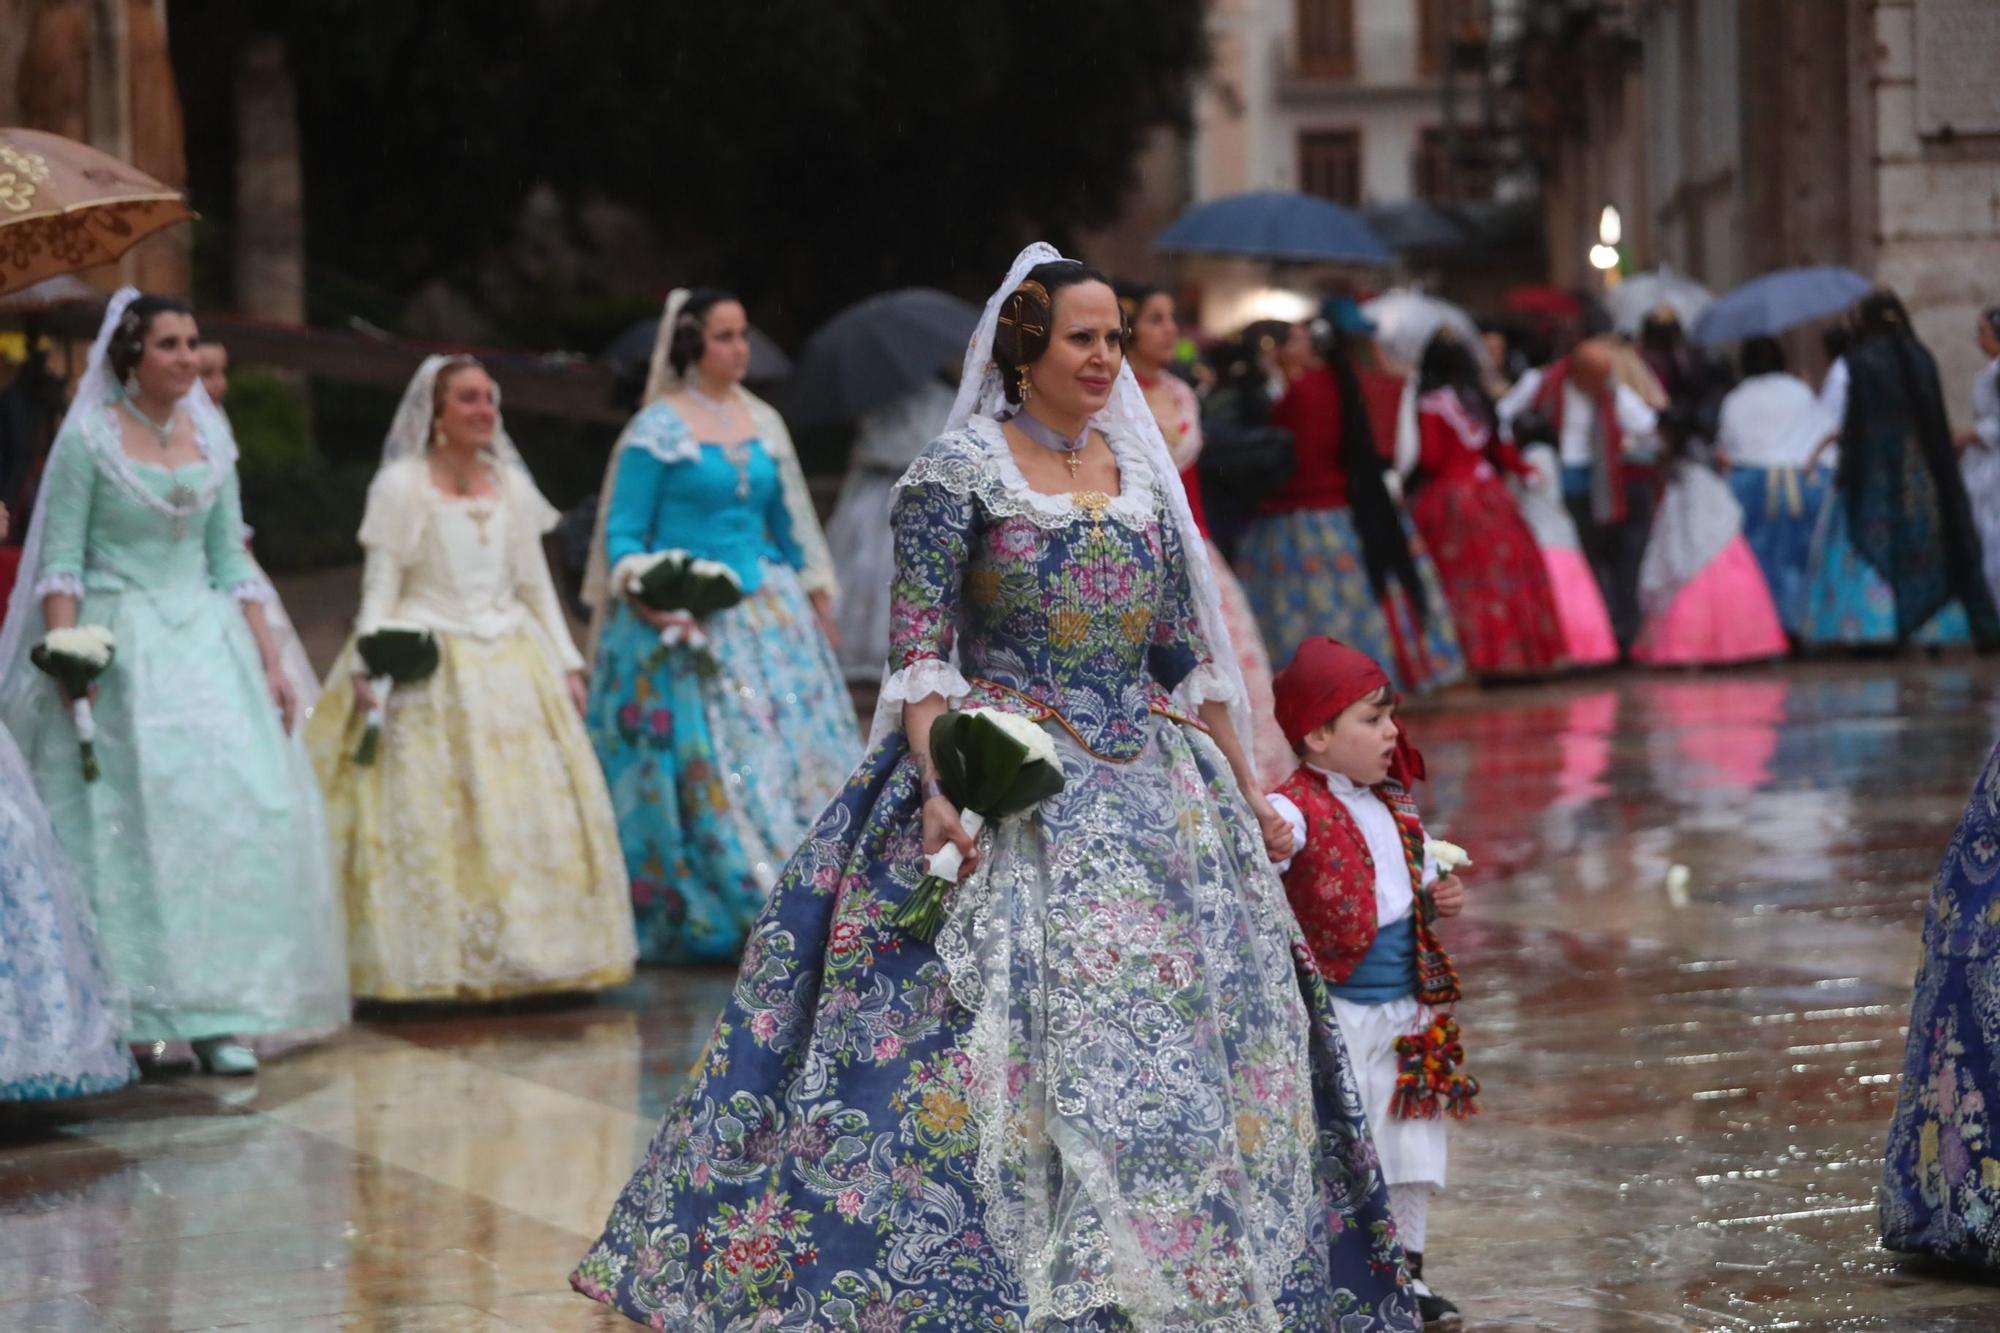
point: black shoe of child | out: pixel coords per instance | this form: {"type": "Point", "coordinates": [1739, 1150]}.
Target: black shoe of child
{"type": "Point", "coordinates": [1437, 1312]}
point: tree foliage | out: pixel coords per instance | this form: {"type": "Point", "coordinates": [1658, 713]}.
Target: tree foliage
{"type": "Point", "coordinates": [803, 152]}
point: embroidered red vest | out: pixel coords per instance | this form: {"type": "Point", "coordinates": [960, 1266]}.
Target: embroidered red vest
{"type": "Point", "coordinates": [1331, 882]}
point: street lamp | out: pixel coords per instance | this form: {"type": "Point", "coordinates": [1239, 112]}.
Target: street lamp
{"type": "Point", "coordinates": [1604, 256]}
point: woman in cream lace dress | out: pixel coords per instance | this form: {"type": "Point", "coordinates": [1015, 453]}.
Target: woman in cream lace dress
{"type": "Point", "coordinates": [478, 852]}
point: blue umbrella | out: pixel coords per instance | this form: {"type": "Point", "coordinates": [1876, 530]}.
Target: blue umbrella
{"type": "Point", "coordinates": [876, 351]}
{"type": "Point", "coordinates": [1276, 224]}
{"type": "Point", "coordinates": [1767, 306]}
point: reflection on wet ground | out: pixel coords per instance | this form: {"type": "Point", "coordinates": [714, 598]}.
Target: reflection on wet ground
{"type": "Point", "coordinates": [1685, 1097]}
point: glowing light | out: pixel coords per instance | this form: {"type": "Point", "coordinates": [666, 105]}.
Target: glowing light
{"type": "Point", "coordinates": [1610, 228]}
{"type": "Point", "coordinates": [1279, 303]}
{"type": "Point", "coordinates": [1604, 257]}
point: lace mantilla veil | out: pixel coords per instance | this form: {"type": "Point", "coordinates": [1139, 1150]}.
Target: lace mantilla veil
{"type": "Point", "coordinates": [392, 522]}
{"type": "Point", "coordinates": [97, 392]}
{"type": "Point", "coordinates": [410, 429]}
{"type": "Point", "coordinates": [1127, 416]}
{"type": "Point", "coordinates": [661, 380]}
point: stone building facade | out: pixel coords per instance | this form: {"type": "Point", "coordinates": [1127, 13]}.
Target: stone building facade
{"type": "Point", "coordinates": [1739, 136]}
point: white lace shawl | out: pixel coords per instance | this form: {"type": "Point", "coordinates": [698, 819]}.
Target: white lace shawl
{"type": "Point", "coordinates": [1698, 516]}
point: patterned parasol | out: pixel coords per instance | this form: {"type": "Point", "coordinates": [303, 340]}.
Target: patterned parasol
{"type": "Point", "coordinates": [65, 206]}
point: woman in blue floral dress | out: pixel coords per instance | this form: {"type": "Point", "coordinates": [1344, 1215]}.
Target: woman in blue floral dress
{"type": "Point", "coordinates": [1941, 1182]}
{"type": "Point", "coordinates": [1110, 1094]}
{"type": "Point", "coordinates": [719, 754]}
{"type": "Point", "coordinates": [59, 1026]}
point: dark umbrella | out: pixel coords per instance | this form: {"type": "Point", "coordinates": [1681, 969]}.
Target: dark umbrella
{"type": "Point", "coordinates": [1277, 225]}
{"type": "Point", "coordinates": [632, 352]}
{"type": "Point", "coordinates": [877, 350]}
{"type": "Point", "coordinates": [1418, 225]}
{"type": "Point", "coordinates": [1767, 306]}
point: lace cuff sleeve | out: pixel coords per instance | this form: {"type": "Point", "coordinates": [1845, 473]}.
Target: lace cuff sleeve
{"type": "Point", "coordinates": [920, 680]}
{"type": "Point", "coordinates": [50, 584]}
{"type": "Point", "coordinates": [254, 590]}
{"type": "Point", "coordinates": [1208, 684]}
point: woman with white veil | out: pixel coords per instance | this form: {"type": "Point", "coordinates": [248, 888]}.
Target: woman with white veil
{"type": "Point", "coordinates": [201, 845]}
{"type": "Point", "coordinates": [1110, 1094]}
{"type": "Point", "coordinates": [477, 852]}
{"type": "Point", "coordinates": [721, 742]}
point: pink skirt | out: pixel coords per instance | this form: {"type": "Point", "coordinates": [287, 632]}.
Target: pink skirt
{"type": "Point", "coordinates": [1586, 626]}
{"type": "Point", "coordinates": [1724, 614]}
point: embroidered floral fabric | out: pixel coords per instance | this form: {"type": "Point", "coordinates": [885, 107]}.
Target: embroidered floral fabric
{"type": "Point", "coordinates": [1077, 607]}
{"type": "Point", "coordinates": [718, 760]}
{"type": "Point", "coordinates": [1113, 1096]}
{"type": "Point", "coordinates": [59, 1023]}
{"type": "Point", "coordinates": [1941, 1180]}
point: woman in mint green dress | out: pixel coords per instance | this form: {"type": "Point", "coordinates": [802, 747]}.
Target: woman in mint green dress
{"type": "Point", "coordinates": [201, 845]}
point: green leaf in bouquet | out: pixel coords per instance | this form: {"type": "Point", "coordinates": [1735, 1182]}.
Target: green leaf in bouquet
{"type": "Point", "coordinates": [664, 587]}
{"type": "Point", "coordinates": [706, 596]}
{"type": "Point", "coordinates": [945, 739]}
{"type": "Point", "coordinates": [1036, 782]}
{"type": "Point", "coordinates": [405, 656]}
{"type": "Point", "coordinates": [992, 758]}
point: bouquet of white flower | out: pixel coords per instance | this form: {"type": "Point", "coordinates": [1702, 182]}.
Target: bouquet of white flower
{"type": "Point", "coordinates": [677, 580]}
{"type": "Point", "coordinates": [396, 653]}
{"type": "Point", "coordinates": [76, 657]}
{"type": "Point", "coordinates": [1448, 855]}
{"type": "Point", "coordinates": [992, 765]}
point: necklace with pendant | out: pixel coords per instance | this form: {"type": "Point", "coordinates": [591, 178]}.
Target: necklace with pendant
{"type": "Point", "coordinates": [738, 451]}
{"type": "Point", "coordinates": [181, 499]}
{"type": "Point", "coordinates": [1046, 436]}
{"type": "Point", "coordinates": [162, 431]}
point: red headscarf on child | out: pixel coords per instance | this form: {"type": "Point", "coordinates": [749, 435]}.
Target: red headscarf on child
{"type": "Point", "coordinates": [1324, 677]}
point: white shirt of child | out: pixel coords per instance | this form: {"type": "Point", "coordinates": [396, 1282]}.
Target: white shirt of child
{"type": "Point", "coordinates": [1394, 896]}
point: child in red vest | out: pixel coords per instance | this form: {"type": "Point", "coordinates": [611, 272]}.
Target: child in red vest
{"type": "Point", "coordinates": [1366, 890]}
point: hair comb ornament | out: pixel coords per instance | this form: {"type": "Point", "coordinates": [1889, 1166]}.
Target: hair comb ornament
{"type": "Point", "coordinates": [1026, 311]}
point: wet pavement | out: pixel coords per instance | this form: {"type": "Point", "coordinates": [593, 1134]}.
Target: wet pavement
{"type": "Point", "coordinates": [1685, 1092]}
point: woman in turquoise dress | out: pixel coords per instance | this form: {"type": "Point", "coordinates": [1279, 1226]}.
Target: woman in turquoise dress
{"type": "Point", "coordinates": [1941, 1176]}
{"type": "Point", "coordinates": [202, 845]}
{"type": "Point", "coordinates": [1896, 556]}
{"type": "Point", "coordinates": [720, 752]}
{"type": "Point", "coordinates": [1110, 1094]}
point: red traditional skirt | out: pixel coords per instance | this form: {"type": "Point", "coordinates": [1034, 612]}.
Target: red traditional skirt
{"type": "Point", "coordinates": [1493, 575]}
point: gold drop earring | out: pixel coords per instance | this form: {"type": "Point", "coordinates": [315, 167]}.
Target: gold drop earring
{"type": "Point", "coordinates": [1021, 382]}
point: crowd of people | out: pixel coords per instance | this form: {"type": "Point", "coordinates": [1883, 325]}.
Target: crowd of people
{"type": "Point", "coordinates": [1181, 1052]}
